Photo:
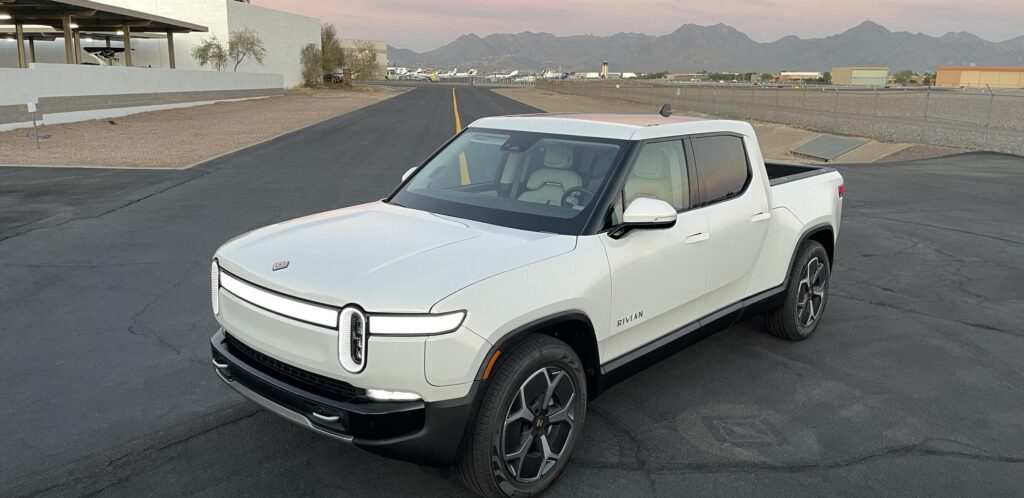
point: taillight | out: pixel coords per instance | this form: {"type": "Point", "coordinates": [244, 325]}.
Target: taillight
{"type": "Point", "coordinates": [842, 189]}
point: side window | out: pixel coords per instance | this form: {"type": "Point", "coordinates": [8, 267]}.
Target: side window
{"type": "Point", "coordinates": [659, 172]}
{"type": "Point", "coordinates": [721, 167]}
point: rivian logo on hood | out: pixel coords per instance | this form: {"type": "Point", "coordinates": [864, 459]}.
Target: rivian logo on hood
{"type": "Point", "coordinates": [280, 265]}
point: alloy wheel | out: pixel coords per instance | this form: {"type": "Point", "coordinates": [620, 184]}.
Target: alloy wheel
{"type": "Point", "coordinates": [811, 293]}
{"type": "Point", "coordinates": [538, 424]}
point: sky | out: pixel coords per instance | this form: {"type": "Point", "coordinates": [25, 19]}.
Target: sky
{"type": "Point", "coordinates": [427, 24]}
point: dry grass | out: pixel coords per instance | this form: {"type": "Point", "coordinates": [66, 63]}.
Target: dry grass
{"type": "Point", "coordinates": [177, 138]}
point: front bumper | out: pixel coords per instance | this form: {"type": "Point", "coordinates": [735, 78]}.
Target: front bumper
{"type": "Point", "coordinates": [427, 433]}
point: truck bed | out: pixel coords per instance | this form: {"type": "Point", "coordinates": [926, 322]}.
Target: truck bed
{"type": "Point", "coordinates": [780, 172]}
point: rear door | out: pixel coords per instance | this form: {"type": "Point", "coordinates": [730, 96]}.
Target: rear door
{"type": "Point", "coordinates": [736, 205]}
{"type": "Point", "coordinates": [658, 277]}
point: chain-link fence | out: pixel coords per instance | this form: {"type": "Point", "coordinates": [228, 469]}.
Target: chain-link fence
{"type": "Point", "coordinates": [460, 81]}
{"type": "Point", "coordinates": [950, 118]}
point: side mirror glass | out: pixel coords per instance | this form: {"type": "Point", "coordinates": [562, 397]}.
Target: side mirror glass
{"type": "Point", "coordinates": [407, 174]}
{"type": "Point", "coordinates": [645, 213]}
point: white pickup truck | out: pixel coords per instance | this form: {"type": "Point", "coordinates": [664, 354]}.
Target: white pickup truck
{"type": "Point", "coordinates": [530, 263]}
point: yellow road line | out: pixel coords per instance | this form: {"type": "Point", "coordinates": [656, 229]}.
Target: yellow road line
{"type": "Point", "coordinates": [463, 166]}
{"type": "Point", "coordinates": [455, 109]}
{"type": "Point", "coordinates": [463, 169]}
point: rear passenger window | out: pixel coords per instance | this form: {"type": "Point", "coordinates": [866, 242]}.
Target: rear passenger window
{"type": "Point", "coordinates": [721, 167]}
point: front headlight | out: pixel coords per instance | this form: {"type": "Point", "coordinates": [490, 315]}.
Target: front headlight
{"type": "Point", "coordinates": [215, 286]}
{"type": "Point", "coordinates": [416, 324]}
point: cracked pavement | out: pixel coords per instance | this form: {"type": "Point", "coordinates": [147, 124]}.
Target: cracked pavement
{"type": "Point", "coordinates": [913, 385]}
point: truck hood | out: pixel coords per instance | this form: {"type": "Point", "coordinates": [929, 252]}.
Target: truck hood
{"type": "Point", "coordinates": [382, 257]}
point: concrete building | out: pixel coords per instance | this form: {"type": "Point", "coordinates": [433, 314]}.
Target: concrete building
{"type": "Point", "coordinates": [799, 76]}
{"type": "Point", "coordinates": [379, 47]}
{"type": "Point", "coordinates": [860, 76]}
{"type": "Point", "coordinates": [980, 77]}
{"type": "Point", "coordinates": [283, 34]}
{"type": "Point", "coordinates": [72, 60]}
{"type": "Point", "coordinates": [687, 77]}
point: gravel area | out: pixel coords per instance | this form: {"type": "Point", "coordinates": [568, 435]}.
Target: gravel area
{"type": "Point", "coordinates": [179, 138]}
{"type": "Point", "coordinates": [776, 140]}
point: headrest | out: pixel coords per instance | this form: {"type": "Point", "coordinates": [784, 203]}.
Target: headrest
{"type": "Point", "coordinates": [556, 177]}
{"type": "Point", "coordinates": [651, 165]}
{"type": "Point", "coordinates": [557, 156]}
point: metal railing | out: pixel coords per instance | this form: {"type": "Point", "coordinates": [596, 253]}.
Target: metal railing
{"type": "Point", "coordinates": [973, 119]}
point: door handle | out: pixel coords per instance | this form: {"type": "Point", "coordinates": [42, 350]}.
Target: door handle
{"type": "Point", "coordinates": [697, 237]}
{"type": "Point", "coordinates": [761, 217]}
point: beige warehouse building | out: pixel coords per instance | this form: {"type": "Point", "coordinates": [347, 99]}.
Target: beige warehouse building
{"type": "Point", "coordinates": [860, 76]}
{"type": "Point", "coordinates": [980, 77]}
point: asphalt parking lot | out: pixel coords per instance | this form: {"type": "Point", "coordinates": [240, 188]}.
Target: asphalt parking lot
{"type": "Point", "coordinates": [913, 385]}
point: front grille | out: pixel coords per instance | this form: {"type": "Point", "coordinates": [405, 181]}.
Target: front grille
{"type": "Point", "coordinates": [309, 381]}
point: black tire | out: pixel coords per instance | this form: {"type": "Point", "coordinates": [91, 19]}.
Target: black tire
{"type": "Point", "coordinates": [482, 465]}
{"type": "Point", "coordinates": [790, 321]}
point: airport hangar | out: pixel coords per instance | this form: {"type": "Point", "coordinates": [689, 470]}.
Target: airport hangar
{"type": "Point", "coordinates": [860, 76]}
{"type": "Point", "coordinates": [980, 77]}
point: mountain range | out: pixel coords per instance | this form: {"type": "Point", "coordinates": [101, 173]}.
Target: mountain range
{"type": "Point", "coordinates": [716, 48]}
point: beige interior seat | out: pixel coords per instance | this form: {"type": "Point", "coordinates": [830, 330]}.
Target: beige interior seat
{"type": "Point", "coordinates": [548, 184]}
{"type": "Point", "coordinates": [650, 177]}
{"type": "Point", "coordinates": [601, 164]}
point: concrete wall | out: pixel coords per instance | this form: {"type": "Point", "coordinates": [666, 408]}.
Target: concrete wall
{"type": "Point", "coordinates": [67, 93]}
{"type": "Point", "coordinates": [283, 34]}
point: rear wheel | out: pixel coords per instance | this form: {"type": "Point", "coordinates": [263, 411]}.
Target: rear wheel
{"type": "Point", "coordinates": [529, 420]}
{"type": "Point", "coordinates": [806, 295]}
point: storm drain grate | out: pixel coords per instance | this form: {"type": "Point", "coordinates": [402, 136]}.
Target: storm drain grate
{"type": "Point", "coordinates": [829, 147]}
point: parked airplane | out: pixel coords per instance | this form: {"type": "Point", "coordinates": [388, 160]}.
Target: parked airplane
{"type": "Point", "coordinates": [513, 74]}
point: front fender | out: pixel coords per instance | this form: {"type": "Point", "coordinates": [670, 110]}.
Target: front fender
{"type": "Point", "coordinates": [577, 282]}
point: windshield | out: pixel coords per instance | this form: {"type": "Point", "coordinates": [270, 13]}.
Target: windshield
{"type": "Point", "coordinates": [530, 181]}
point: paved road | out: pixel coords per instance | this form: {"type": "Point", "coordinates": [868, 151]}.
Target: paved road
{"type": "Point", "coordinates": [913, 385]}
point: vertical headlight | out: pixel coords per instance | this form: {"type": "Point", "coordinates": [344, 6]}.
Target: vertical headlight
{"type": "Point", "coordinates": [352, 339]}
{"type": "Point", "coordinates": [215, 286]}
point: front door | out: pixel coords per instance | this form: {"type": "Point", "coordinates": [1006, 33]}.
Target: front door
{"type": "Point", "coordinates": [658, 277]}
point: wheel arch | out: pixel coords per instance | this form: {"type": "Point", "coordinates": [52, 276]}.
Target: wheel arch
{"type": "Point", "coordinates": [823, 234]}
{"type": "Point", "coordinates": [573, 327]}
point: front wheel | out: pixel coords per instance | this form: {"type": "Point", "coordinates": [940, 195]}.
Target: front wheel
{"type": "Point", "coordinates": [806, 295]}
{"type": "Point", "coordinates": [529, 420]}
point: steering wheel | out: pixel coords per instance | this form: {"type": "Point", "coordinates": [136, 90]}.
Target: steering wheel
{"type": "Point", "coordinates": [575, 193]}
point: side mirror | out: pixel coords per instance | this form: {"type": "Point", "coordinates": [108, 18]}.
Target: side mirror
{"type": "Point", "coordinates": [645, 213]}
{"type": "Point", "coordinates": [407, 174]}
